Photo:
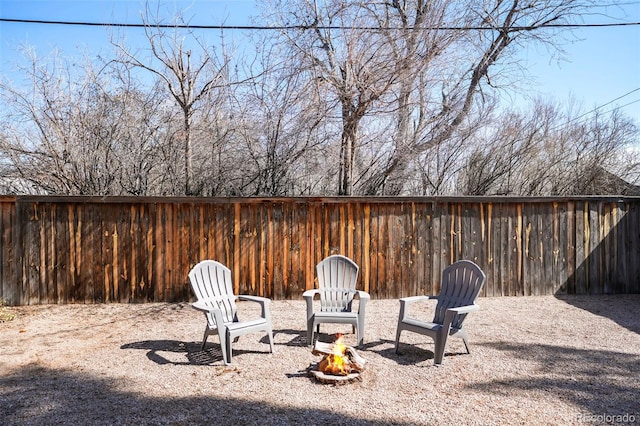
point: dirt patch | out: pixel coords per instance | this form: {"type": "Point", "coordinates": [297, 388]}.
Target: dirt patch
{"type": "Point", "coordinates": [534, 360]}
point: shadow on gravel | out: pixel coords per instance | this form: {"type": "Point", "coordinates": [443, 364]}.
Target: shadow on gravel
{"type": "Point", "coordinates": [411, 353]}
{"type": "Point", "coordinates": [193, 354]}
{"type": "Point", "coordinates": [296, 338]}
{"type": "Point", "coordinates": [41, 396]}
{"type": "Point", "coordinates": [624, 309]}
{"type": "Point", "coordinates": [598, 381]}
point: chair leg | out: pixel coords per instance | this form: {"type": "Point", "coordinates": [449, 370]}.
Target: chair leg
{"type": "Point", "coordinates": [270, 334]}
{"type": "Point", "coordinates": [401, 317]}
{"type": "Point", "coordinates": [225, 346]}
{"type": "Point", "coordinates": [465, 339]}
{"type": "Point", "coordinates": [466, 344]}
{"type": "Point", "coordinates": [398, 330]}
{"type": "Point", "coordinates": [229, 353]}
{"type": "Point", "coordinates": [204, 338]}
{"type": "Point", "coordinates": [310, 327]}
{"type": "Point", "coordinates": [360, 330]}
{"type": "Point", "coordinates": [440, 343]}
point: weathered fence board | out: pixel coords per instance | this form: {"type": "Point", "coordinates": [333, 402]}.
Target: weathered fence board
{"type": "Point", "coordinates": [92, 250]}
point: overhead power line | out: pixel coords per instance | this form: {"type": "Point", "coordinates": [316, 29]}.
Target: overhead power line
{"type": "Point", "coordinates": [599, 107]}
{"type": "Point", "coordinates": [302, 27]}
{"type": "Point", "coordinates": [582, 117]}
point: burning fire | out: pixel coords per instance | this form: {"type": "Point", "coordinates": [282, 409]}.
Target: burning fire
{"type": "Point", "coordinates": [336, 364]}
{"type": "Point", "coordinates": [340, 363]}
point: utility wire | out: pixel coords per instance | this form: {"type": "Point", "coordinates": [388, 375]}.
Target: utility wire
{"type": "Point", "coordinates": [582, 116]}
{"type": "Point", "coordinates": [604, 105]}
{"type": "Point", "coordinates": [305, 27]}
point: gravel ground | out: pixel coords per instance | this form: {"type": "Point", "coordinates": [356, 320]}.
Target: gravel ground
{"type": "Point", "coordinates": [534, 360]}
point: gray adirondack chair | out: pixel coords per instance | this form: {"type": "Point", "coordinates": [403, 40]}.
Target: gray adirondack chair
{"type": "Point", "coordinates": [337, 277]}
{"type": "Point", "coordinates": [461, 284]}
{"type": "Point", "coordinates": [212, 285]}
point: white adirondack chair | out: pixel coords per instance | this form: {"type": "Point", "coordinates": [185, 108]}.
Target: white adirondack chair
{"type": "Point", "coordinates": [461, 284]}
{"type": "Point", "coordinates": [337, 277]}
{"type": "Point", "coordinates": [211, 283]}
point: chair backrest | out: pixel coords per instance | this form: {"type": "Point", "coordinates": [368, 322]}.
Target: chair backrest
{"type": "Point", "coordinates": [211, 283]}
{"type": "Point", "coordinates": [337, 277]}
{"type": "Point", "coordinates": [461, 285]}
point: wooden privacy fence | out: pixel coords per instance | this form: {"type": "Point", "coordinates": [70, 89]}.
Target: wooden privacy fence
{"type": "Point", "coordinates": [86, 249]}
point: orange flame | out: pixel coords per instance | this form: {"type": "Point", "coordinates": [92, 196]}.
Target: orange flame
{"type": "Point", "coordinates": [339, 348]}
{"type": "Point", "coordinates": [336, 364]}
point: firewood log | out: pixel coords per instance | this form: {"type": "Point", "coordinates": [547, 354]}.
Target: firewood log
{"type": "Point", "coordinates": [357, 362]}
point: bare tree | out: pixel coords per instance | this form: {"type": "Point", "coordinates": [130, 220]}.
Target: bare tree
{"type": "Point", "coordinates": [190, 76]}
{"type": "Point", "coordinates": [350, 61]}
{"type": "Point", "coordinates": [548, 152]}
{"type": "Point", "coordinates": [278, 129]}
{"type": "Point", "coordinates": [600, 144]}
{"type": "Point", "coordinates": [414, 33]}
{"type": "Point", "coordinates": [56, 136]}
{"type": "Point", "coordinates": [147, 141]}
{"type": "Point", "coordinates": [436, 60]}
{"type": "Point", "coordinates": [481, 38]}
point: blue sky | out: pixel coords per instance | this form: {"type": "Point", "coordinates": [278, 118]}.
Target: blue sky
{"type": "Point", "coordinates": [601, 66]}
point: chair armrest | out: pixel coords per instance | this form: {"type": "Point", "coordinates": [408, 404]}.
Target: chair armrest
{"type": "Point", "coordinates": [264, 302]}
{"type": "Point", "coordinates": [203, 307]}
{"type": "Point", "coordinates": [414, 299]}
{"type": "Point", "coordinates": [406, 301]}
{"type": "Point", "coordinates": [309, 295]}
{"type": "Point", "coordinates": [257, 299]}
{"type": "Point", "coordinates": [215, 314]}
{"type": "Point", "coordinates": [211, 304]}
{"type": "Point", "coordinates": [464, 309]}
{"type": "Point", "coordinates": [363, 298]}
{"type": "Point", "coordinates": [451, 313]}
{"type": "Point", "coordinates": [363, 295]}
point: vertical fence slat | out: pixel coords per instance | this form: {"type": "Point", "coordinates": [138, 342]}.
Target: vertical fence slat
{"type": "Point", "coordinates": [8, 253]}
{"type": "Point", "coordinates": [365, 274]}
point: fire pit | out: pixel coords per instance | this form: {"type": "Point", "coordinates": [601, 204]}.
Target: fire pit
{"type": "Point", "coordinates": [340, 363]}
